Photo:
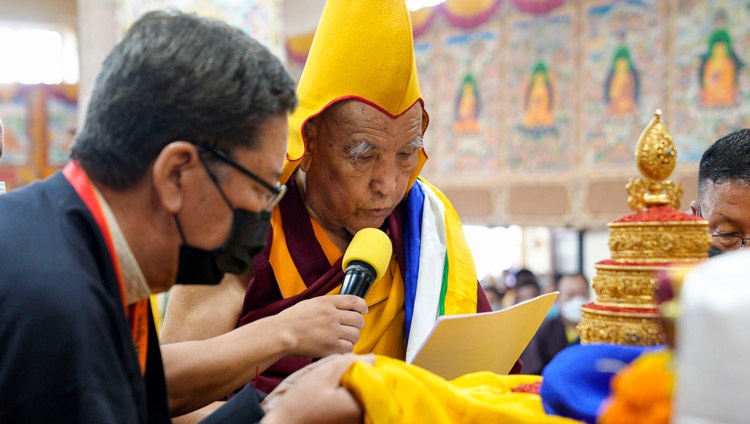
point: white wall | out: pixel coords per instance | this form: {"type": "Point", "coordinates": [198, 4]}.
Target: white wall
{"type": "Point", "coordinates": [595, 249]}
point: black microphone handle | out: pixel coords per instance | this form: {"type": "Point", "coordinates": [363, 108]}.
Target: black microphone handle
{"type": "Point", "coordinates": [358, 278]}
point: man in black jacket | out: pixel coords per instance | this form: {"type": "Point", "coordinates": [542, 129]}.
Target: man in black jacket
{"type": "Point", "coordinates": [171, 181]}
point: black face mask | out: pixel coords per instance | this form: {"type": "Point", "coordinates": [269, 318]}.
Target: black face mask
{"type": "Point", "coordinates": [246, 239]}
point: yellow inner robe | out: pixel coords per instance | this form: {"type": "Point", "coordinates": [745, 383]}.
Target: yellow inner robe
{"type": "Point", "coordinates": [383, 332]}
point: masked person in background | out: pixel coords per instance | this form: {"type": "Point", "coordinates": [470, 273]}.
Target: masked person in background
{"type": "Point", "coordinates": [353, 161]}
{"type": "Point", "coordinates": [724, 192]}
{"type": "Point", "coordinates": [557, 333]}
{"type": "Point", "coordinates": [171, 180]}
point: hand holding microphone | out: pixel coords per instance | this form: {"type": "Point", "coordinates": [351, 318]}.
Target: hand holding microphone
{"type": "Point", "coordinates": [333, 322]}
{"type": "Point", "coordinates": [365, 261]}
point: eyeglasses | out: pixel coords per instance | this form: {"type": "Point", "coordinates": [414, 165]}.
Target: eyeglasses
{"type": "Point", "coordinates": [275, 193]}
{"type": "Point", "coordinates": [730, 241]}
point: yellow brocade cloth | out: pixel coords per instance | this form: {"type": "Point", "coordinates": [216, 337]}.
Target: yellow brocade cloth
{"type": "Point", "coordinates": [392, 391]}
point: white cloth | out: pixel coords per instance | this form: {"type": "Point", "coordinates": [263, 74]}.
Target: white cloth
{"type": "Point", "coordinates": [713, 342]}
{"type": "Point", "coordinates": [431, 267]}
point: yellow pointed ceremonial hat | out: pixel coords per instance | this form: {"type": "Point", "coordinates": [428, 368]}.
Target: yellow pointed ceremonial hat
{"type": "Point", "coordinates": [362, 50]}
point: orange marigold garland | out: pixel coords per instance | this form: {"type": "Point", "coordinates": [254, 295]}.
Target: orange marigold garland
{"type": "Point", "coordinates": [642, 392]}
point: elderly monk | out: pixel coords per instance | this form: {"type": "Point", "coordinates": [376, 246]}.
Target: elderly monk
{"type": "Point", "coordinates": [353, 159]}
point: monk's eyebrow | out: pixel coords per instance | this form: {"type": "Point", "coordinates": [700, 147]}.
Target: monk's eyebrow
{"type": "Point", "coordinates": [361, 148]}
{"type": "Point", "coordinates": [358, 149]}
{"type": "Point", "coordinates": [417, 143]}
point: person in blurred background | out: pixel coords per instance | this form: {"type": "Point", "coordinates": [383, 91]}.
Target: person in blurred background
{"type": "Point", "coordinates": [557, 333]}
{"type": "Point", "coordinates": [494, 297]}
{"type": "Point", "coordinates": [527, 289]}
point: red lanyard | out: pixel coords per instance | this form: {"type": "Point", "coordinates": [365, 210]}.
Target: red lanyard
{"type": "Point", "coordinates": [137, 313]}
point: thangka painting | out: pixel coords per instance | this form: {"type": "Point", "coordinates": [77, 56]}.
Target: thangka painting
{"type": "Point", "coordinates": [39, 122]}
{"type": "Point", "coordinates": [425, 53]}
{"type": "Point", "coordinates": [537, 7]}
{"type": "Point", "coordinates": [468, 125]}
{"type": "Point", "coordinates": [15, 116]}
{"type": "Point", "coordinates": [623, 73]}
{"type": "Point", "coordinates": [711, 81]}
{"type": "Point", "coordinates": [541, 93]}
{"type": "Point", "coordinates": [259, 18]}
{"type": "Point", "coordinates": [62, 122]}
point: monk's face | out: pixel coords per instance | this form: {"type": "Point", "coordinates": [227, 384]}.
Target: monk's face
{"type": "Point", "coordinates": [358, 163]}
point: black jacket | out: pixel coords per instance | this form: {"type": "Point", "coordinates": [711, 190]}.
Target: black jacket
{"type": "Point", "coordinates": [547, 342]}
{"type": "Point", "coordinates": [66, 350]}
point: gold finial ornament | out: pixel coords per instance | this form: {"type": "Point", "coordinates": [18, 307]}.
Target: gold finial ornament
{"type": "Point", "coordinates": [655, 153]}
{"type": "Point", "coordinates": [642, 245]}
{"type": "Point", "coordinates": [656, 157]}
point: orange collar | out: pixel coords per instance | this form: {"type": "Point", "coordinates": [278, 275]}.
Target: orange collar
{"type": "Point", "coordinates": [136, 313]}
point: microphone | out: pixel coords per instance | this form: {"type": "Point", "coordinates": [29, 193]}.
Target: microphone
{"type": "Point", "coordinates": [365, 261]}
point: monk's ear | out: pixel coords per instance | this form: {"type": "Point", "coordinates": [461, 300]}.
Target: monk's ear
{"type": "Point", "coordinates": [310, 136]}
{"type": "Point", "coordinates": [175, 168]}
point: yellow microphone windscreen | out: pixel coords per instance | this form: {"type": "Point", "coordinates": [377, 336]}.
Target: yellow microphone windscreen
{"type": "Point", "coordinates": [371, 246]}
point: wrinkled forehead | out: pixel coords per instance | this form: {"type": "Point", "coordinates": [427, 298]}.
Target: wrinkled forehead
{"type": "Point", "coordinates": [353, 112]}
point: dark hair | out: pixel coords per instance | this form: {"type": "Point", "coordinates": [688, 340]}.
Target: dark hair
{"type": "Point", "coordinates": [177, 76]}
{"type": "Point", "coordinates": [559, 278]}
{"type": "Point", "coordinates": [726, 160]}
{"type": "Point", "coordinates": [524, 274]}
{"type": "Point", "coordinates": [529, 282]}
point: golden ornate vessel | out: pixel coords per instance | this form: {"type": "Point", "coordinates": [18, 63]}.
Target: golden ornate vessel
{"type": "Point", "coordinates": [656, 237]}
